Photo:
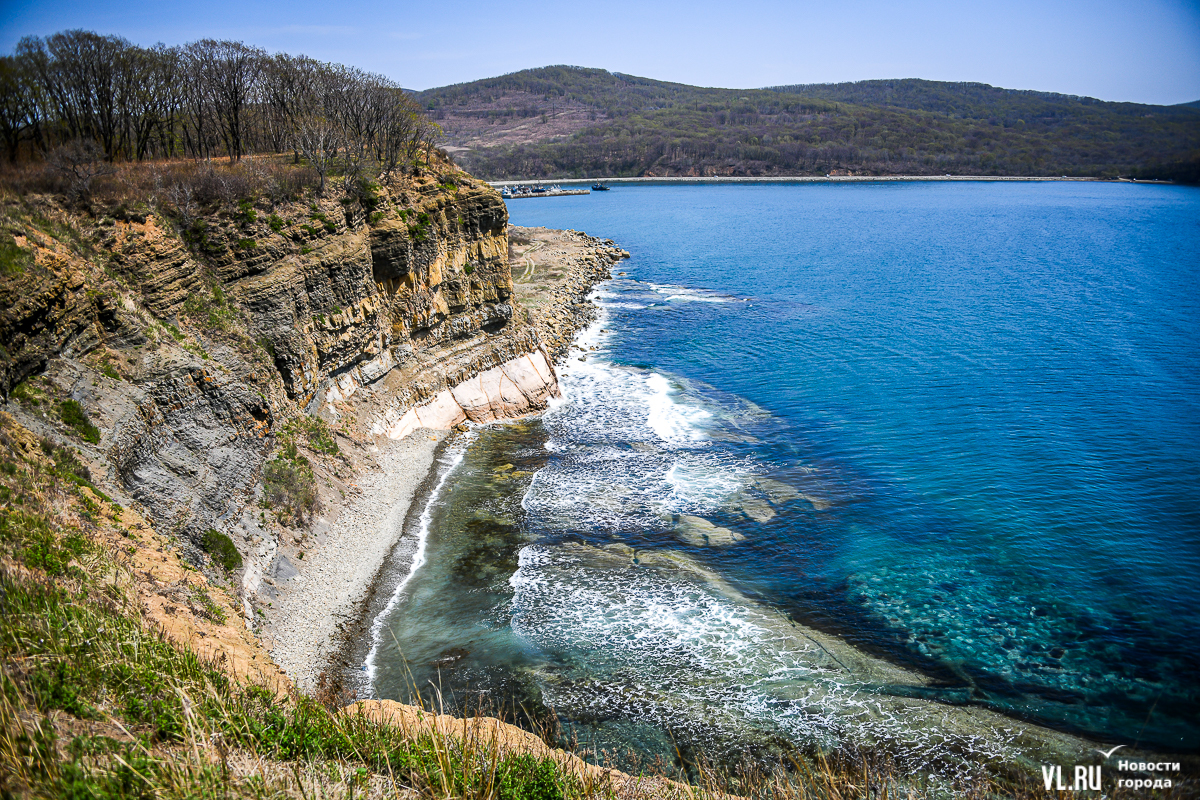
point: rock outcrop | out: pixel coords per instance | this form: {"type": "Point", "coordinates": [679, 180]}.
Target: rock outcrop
{"type": "Point", "coordinates": [191, 338]}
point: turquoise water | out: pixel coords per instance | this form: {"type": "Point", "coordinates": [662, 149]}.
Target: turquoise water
{"type": "Point", "coordinates": [957, 425]}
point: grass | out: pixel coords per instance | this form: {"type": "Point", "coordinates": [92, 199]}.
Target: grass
{"type": "Point", "coordinates": [211, 310]}
{"type": "Point", "coordinates": [95, 702]}
{"type": "Point", "coordinates": [14, 260]}
{"type": "Point", "coordinates": [74, 417]}
{"type": "Point", "coordinates": [71, 651]}
{"type": "Point", "coordinates": [221, 549]}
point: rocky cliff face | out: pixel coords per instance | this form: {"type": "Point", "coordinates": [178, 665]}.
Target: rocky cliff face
{"type": "Point", "coordinates": [189, 339]}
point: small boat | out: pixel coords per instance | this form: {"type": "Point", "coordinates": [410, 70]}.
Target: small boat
{"type": "Point", "coordinates": [599, 187]}
{"type": "Point", "coordinates": [506, 193]}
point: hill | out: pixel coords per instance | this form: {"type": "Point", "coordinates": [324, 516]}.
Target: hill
{"type": "Point", "coordinates": [563, 121]}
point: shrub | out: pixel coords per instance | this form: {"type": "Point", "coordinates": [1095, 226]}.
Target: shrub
{"type": "Point", "coordinates": [247, 244]}
{"type": "Point", "coordinates": [246, 213]}
{"type": "Point", "coordinates": [318, 436]}
{"type": "Point", "coordinates": [27, 393]}
{"type": "Point", "coordinates": [289, 486]}
{"type": "Point", "coordinates": [276, 222]}
{"type": "Point", "coordinates": [210, 311]}
{"type": "Point", "coordinates": [221, 549]}
{"type": "Point", "coordinates": [73, 415]}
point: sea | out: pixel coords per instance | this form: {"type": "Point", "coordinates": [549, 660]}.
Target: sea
{"type": "Point", "coordinates": [950, 428]}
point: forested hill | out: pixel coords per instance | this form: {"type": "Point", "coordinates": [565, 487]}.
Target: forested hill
{"type": "Point", "coordinates": [561, 121]}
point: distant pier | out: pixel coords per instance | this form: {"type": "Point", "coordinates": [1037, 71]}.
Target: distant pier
{"type": "Point", "coordinates": [556, 193]}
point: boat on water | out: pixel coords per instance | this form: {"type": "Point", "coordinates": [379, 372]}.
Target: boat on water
{"type": "Point", "coordinates": [599, 187]}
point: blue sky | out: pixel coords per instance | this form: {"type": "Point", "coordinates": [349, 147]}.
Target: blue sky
{"type": "Point", "coordinates": [1147, 51]}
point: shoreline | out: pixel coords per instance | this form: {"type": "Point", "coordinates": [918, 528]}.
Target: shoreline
{"type": "Point", "coordinates": [321, 596]}
{"type": "Point", "coordinates": [325, 606]}
{"type": "Point", "coordinates": [345, 661]}
{"type": "Point", "coordinates": [821, 179]}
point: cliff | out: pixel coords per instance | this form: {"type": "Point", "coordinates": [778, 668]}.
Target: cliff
{"type": "Point", "coordinates": [192, 335]}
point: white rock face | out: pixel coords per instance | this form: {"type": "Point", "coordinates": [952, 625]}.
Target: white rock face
{"type": "Point", "coordinates": [513, 389]}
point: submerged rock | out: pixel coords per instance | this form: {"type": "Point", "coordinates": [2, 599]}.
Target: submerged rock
{"type": "Point", "coordinates": [699, 532]}
{"type": "Point", "coordinates": [755, 508]}
{"type": "Point", "coordinates": [777, 492]}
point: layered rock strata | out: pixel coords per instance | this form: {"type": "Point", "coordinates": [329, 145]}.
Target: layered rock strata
{"type": "Point", "coordinates": [189, 339]}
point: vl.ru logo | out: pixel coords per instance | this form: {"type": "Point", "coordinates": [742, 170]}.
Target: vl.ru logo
{"type": "Point", "coordinates": [1085, 778]}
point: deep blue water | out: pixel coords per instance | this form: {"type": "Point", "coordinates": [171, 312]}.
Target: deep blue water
{"type": "Point", "coordinates": [981, 403]}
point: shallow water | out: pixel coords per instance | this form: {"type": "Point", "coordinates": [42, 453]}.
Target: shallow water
{"type": "Point", "coordinates": [956, 424]}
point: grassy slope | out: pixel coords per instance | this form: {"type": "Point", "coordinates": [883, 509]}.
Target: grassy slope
{"type": "Point", "coordinates": [641, 126]}
{"type": "Point", "coordinates": [99, 700]}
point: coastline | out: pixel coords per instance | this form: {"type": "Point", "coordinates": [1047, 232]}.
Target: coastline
{"type": "Point", "coordinates": [318, 595]}
{"type": "Point", "coordinates": [815, 179]}
{"type": "Point", "coordinates": [324, 606]}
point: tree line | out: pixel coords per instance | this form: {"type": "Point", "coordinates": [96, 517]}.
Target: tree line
{"type": "Point", "coordinates": [202, 100]}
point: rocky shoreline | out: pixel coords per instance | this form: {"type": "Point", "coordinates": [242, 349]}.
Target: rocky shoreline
{"type": "Point", "coordinates": [320, 606]}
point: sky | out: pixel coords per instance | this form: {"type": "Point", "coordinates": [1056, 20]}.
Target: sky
{"type": "Point", "coordinates": [1146, 51]}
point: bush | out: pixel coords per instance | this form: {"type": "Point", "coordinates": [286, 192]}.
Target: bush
{"type": "Point", "coordinates": [210, 312]}
{"type": "Point", "coordinates": [221, 549]}
{"type": "Point", "coordinates": [27, 393]}
{"type": "Point", "coordinates": [317, 434]}
{"type": "Point", "coordinates": [289, 486]}
{"type": "Point", "coordinates": [246, 213]}
{"type": "Point", "coordinates": [73, 415]}
{"type": "Point", "coordinates": [276, 222]}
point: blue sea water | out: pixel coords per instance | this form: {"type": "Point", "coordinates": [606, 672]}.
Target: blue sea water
{"type": "Point", "coordinates": [971, 413]}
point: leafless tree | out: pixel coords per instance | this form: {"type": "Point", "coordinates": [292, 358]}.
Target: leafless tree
{"type": "Point", "coordinates": [204, 99]}
{"type": "Point", "coordinates": [79, 162]}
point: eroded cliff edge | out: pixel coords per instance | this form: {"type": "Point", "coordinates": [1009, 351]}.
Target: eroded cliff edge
{"type": "Point", "coordinates": [212, 344]}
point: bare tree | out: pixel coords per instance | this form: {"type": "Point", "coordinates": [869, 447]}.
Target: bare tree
{"type": "Point", "coordinates": [79, 162]}
{"type": "Point", "coordinates": [204, 99]}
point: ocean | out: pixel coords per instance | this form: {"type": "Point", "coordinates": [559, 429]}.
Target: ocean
{"type": "Point", "coordinates": [825, 430]}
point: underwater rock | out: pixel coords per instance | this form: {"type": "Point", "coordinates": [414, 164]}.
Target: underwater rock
{"type": "Point", "coordinates": [699, 532]}
{"type": "Point", "coordinates": [777, 492]}
{"type": "Point", "coordinates": [755, 508]}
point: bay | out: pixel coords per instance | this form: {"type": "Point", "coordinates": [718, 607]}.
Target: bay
{"type": "Point", "coordinates": [956, 425]}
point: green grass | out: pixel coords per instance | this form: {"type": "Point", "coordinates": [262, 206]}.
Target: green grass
{"type": "Point", "coordinates": [211, 309]}
{"type": "Point", "coordinates": [222, 550]}
{"type": "Point", "coordinates": [75, 651]}
{"type": "Point", "coordinates": [71, 652]}
{"type": "Point", "coordinates": [14, 260]}
{"type": "Point", "coordinates": [73, 415]}
{"type": "Point", "coordinates": [318, 436]}
{"type": "Point", "coordinates": [28, 393]}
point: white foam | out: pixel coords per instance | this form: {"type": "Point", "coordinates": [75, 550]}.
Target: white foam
{"type": "Point", "coordinates": [701, 486]}
{"type": "Point", "coordinates": [455, 458]}
{"type": "Point", "coordinates": [684, 656]}
{"type": "Point", "coordinates": [683, 294]}
{"type": "Point", "coordinates": [671, 421]}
